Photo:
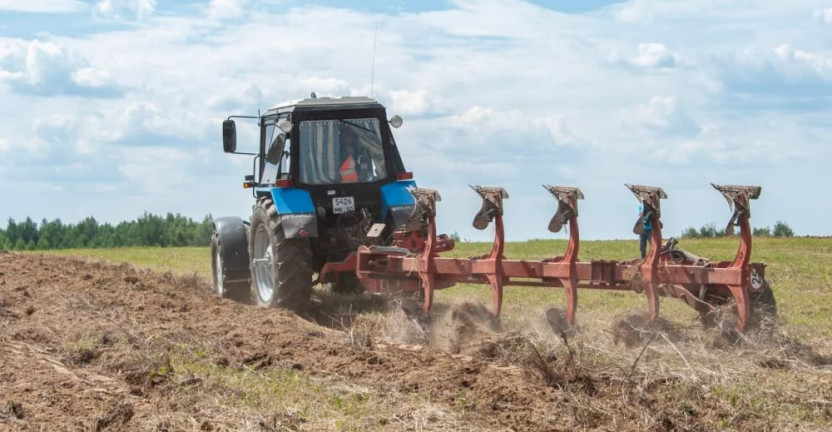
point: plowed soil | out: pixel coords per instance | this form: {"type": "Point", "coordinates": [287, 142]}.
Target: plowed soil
{"type": "Point", "coordinates": [92, 346]}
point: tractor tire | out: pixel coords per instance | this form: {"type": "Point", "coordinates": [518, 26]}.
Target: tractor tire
{"type": "Point", "coordinates": [238, 290]}
{"type": "Point", "coordinates": [281, 269]}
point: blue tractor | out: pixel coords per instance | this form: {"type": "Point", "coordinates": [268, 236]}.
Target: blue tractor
{"type": "Point", "coordinates": [327, 179]}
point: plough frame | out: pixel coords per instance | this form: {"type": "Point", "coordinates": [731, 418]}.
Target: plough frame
{"type": "Point", "coordinates": [414, 263]}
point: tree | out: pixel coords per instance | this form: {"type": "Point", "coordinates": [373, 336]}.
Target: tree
{"type": "Point", "coordinates": [147, 230]}
{"type": "Point", "coordinates": [710, 231]}
{"type": "Point", "coordinates": [42, 244]}
{"type": "Point", "coordinates": [54, 233]}
{"type": "Point", "coordinates": [691, 232]}
{"type": "Point", "coordinates": [28, 231]}
{"type": "Point", "coordinates": [204, 232]}
{"type": "Point", "coordinates": [11, 233]}
{"type": "Point", "coordinates": [781, 229]}
{"type": "Point", "coordinates": [762, 232]}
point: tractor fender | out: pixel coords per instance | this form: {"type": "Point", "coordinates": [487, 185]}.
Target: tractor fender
{"type": "Point", "coordinates": [295, 212]}
{"type": "Point", "coordinates": [397, 201]}
{"type": "Point", "coordinates": [231, 232]}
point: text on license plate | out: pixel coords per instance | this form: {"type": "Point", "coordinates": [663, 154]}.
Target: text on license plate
{"type": "Point", "coordinates": [343, 205]}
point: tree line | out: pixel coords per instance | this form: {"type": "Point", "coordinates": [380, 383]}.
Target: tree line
{"type": "Point", "coordinates": [147, 230]}
{"type": "Point", "coordinates": [780, 229]}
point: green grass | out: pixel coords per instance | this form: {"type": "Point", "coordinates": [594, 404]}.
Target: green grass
{"type": "Point", "coordinates": [799, 270]}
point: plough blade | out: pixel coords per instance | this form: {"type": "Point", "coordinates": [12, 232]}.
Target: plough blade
{"type": "Point", "coordinates": [666, 271]}
{"type": "Point", "coordinates": [567, 198]}
{"type": "Point", "coordinates": [738, 200]}
{"type": "Point", "coordinates": [492, 205]}
{"type": "Point", "coordinates": [426, 200]}
{"type": "Point", "coordinates": [649, 197]}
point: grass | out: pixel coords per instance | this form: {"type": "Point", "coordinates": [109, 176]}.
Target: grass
{"type": "Point", "coordinates": [799, 270]}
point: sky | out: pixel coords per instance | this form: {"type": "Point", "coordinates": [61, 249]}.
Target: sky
{"type": "Point", "coordinates": [112, 108]}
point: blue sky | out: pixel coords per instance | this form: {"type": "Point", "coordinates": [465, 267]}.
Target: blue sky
{"type": "Point", "coordinates": [111, 108]}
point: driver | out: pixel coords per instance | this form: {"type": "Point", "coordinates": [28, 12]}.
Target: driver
{"type": "Point", "coordinates": [348, 164]}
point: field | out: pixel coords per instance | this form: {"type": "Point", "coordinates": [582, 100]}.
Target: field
{"type": "Point", "coordinates": [93, 344]}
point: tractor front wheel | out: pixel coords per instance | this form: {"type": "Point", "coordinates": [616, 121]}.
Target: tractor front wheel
{"type": "Point", "coordinates": [281, 268]}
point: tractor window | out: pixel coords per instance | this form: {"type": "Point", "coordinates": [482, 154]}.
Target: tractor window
{"type": "Point", "coordinates": [285, 161]}
{"type": "Point", "coordinates": [341, 151]}
{"type": "Point", "coordinates": [269, 170]}
{"type": "Point", "coordinates": [272, 172]}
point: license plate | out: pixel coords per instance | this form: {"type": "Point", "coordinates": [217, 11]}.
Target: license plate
{"type": "Point", "coordinates": [343, 205]}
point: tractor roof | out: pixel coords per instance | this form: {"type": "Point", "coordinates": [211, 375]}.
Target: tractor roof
{"type": "Point", "coordinates": [323, 103]}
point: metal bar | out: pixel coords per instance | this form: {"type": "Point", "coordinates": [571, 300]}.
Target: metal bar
{"type": "Point", "coordinates": [607, 272]}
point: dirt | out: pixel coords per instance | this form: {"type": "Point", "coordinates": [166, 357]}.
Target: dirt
{"type": "Point", "coordinates": [91, 346]}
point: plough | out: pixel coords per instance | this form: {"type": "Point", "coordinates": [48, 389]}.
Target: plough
{"type": "Point", "coordinates": [413, 262]}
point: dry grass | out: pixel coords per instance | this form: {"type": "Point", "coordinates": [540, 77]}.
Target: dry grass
{"type": "Point", "coordinates": [679, 375]}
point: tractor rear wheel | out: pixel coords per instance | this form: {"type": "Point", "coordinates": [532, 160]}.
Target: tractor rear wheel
{"type": "Point", "coordinates": [239, 290]}
{"type": "Point", "coordinates": [281, 268]}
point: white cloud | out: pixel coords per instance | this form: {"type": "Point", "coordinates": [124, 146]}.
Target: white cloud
{"type": "Point", "coordinates": [780, 73]}
{"type": "Point", "coordinates": [324, 86]}
{"type": "Point", "coordinates": [823, 15]}
{"type": "Point", "coordinates": [42, 6]}
{"type": "Point", "coordinates": [660, 115]}
{"type": "Point", "coordinates": [635, 10]}
{"type": "Point", "coordinates": [412, 102]}
{"type": "Point", "coordinates": [226, 9]}
{"type": "Point", "coordinates": [4, 145]}
{"type": "Point", "coordinates": [483, 122]}
{"type": "Point", "coordinates": [156, 170]}
{"type": "Point", "coordinates": [124, 9]}
{"type": "Point", "coordinates": [91, 77]}
{"type": "Point", "coordinates": [655, 56]}
{"type": "Point", "coordinates": [793, 61]}
{"type": "Point", "coordinates": [49, 68]}
{"type": "Point", "coordinates": [648, 56]}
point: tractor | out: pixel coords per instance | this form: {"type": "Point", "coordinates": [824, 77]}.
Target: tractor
{"type": "Point", "coordinates": [327, 179]}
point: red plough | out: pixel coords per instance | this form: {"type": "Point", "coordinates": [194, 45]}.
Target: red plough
{"type": "Point", "coordinates": [413, 262]}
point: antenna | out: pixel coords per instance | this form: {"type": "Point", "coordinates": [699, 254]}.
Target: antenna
{"type": "Point", "coordinates": [373, 69]}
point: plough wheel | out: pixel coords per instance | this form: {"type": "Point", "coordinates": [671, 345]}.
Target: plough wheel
{"type": "Point", "coordinates": [763, 311]}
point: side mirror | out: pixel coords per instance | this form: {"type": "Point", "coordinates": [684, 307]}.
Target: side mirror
{"type": "Point", "coordinates": [275, 151]}
{"type": "Point", "coordinates": [229, 136]}
{"type": "Point", "coordinates": [396, 121]}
